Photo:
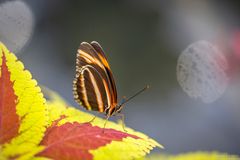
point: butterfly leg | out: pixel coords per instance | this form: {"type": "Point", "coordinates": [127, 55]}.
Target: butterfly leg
{"type": "Point", "coordinates": [94, 117]}
{"type": "Point", "coordinates": [105, 122]}
{"type": "Point", "coordinates": [123, 120]}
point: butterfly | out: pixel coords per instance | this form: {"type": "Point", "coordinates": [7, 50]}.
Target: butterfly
{"type": "Point", "coordinates": [94, 87]}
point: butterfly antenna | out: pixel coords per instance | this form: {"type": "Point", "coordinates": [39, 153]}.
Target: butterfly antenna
{"type": "Point", "coordinates": [136, 94]}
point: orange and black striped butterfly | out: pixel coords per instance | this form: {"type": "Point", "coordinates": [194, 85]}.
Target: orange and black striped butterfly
{"type": "Point", "coordinates": [94, 86]}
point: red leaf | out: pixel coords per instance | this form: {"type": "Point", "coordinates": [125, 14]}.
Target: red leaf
{"type": "Point", "coordinates": [72, 140]}
{"type": "Point", "coordinates": [9, 120]}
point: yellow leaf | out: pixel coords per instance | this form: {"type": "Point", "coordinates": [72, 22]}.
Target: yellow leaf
{"type": "Point", "coordinates": [194, 156]}
{"type": "Point", "coordinates": [30, 107]}
{"type": "Point", "coordinates": [128, 148]}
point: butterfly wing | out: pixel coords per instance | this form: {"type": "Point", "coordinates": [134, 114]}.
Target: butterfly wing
{"type": "Point", "coordinates": [103, 58]}
{"type": "Point", "coordinates": [92, 86]}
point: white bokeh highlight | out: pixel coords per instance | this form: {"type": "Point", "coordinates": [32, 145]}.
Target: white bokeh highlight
{"type": "Point", "coordinates": [201, 71]}
{"type": "Point", "coordinates": [17, 23]}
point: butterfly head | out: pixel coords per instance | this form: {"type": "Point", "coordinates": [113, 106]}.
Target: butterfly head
{"type": "Point", "coordinates": [114, 110]}
{"type": "Point", "coordinates": [118, 108]}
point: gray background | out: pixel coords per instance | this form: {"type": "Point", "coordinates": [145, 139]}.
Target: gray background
{"type": "Point", "coordinates": [142, 40]}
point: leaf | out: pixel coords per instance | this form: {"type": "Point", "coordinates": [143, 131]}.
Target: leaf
{"type": "Point", "coordinates": [194, 156]}
{"type": "Point", "coordinates": [23, 113]}
{"type": "Point", "coordinates": [70, 136]}
{"type": "Point", "coordinates": [72, 140]}
{"type": "Point", "coordinates": [9, 120]}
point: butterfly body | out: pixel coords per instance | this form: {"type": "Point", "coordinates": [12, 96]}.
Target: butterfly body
{"type": "Point", "coordinates": [94, 86]}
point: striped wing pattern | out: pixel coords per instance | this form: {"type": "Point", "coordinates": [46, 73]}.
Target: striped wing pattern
{"type": "Point", "coordinates": [93, 86]}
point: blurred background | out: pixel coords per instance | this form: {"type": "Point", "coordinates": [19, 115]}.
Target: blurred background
{"type": "Point", "coordinates": [142, 40]}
